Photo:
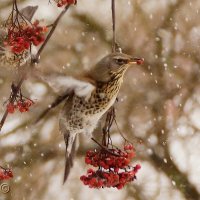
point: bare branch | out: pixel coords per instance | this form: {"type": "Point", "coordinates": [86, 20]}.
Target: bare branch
{"type": "Point", "coordinates": [54, 25]}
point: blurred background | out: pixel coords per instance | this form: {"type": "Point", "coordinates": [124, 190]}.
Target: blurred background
{"type": "Point", "coordinates": [158, 107]}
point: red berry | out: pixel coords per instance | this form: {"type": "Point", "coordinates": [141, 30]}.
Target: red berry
{"type": "Point", "coordinates": [137, 167]}
{"type": "Point", "coordinates": [5, 174]}
{"type": "Point", "coordinates": [87, 160]}
{"type": "Point", "coordinates": [119, 186]}
{"type": "Point", "coordinates": [29, 102]}
{"type": "Point", "coordinates": [82, 178]}
{"type": "Point", "coordinates": [90, 171]}
{"type": "Point", "coordinates": [10, 108]}
{"type": "Point", "coordinates": [140, 61]}
{"type": "Point", "coordinates": [116, 170]}
{"type": "Point", "coordinates": [131, 155]}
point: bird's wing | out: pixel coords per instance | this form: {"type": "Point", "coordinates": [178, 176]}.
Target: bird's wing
{"type": "Point", "coordinates": [68, 85]}
{"type": "Point", "coordinates": [3, 34]}
{"type": "Point", "coordinates": [62, 84]}
{"type": "Point", "coordinates": [78, 88]}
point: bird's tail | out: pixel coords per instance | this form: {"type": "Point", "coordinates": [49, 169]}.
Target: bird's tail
{"type": "Point", "coordinates": [70, 141]}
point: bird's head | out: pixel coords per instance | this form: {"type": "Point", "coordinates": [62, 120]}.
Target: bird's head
{"type": "Point", "coordinates": [113, 66]}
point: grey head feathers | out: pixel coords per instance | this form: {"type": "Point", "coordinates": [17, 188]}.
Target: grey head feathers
{"type": "Point", "coordinates": [110, 66]}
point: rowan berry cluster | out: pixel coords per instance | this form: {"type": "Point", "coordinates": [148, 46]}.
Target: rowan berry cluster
{"type": "Point", "coordinates": [22, 105]}
{"type": "Point", "coordinates": [5, 174]}
{"type": "Point", "coordinates": [61, 3]}
{"type": "Point", "coordinates": [113, 168]}
{"type": "Point", "coordinates": [109, 160]}
{"type": "Point", "coordinates": [20, 38]}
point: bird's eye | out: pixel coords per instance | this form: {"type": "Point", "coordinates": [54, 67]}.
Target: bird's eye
{"type": "Point", "coordinates": [120, 61]}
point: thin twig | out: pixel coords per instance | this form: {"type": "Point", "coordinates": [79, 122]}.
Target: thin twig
{"type": "Point", "coordinates": [12, 100]}
{"type": "Point", "coordinates": [108, 123]}
{"type": "Point", "coordinates": [105, 148]}
{"type": "Point", "coordinates": [51, 32]}
{"type": "Point", "coordinates": [113, 26]}
{"type": "Point", "coordinates": [33, 61]}
{"type": "Point", "coordinates": [111, 113]}
{"type": "Point", "coordinates": [2, 167]}
{"type": "Point", "coordinates": [120, 130]}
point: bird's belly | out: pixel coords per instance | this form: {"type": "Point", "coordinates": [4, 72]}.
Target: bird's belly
{"type": "Point", "coordinates": [83, 117]}
{"type": "Point", "coordinates": [91, 121]}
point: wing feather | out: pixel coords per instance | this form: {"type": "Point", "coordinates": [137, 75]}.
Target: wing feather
{"type": "Point", "coordinates": [60, 84]}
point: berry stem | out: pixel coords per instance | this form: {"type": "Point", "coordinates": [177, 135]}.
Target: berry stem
{"type": "Point", "coordinates": [54, 25]}
{"type": "Point", "coordinates": [105, 148]}
{"type": "Point", "coordinates": [2, 167]}
{"type": "Point", "coordinates": [11, 101]}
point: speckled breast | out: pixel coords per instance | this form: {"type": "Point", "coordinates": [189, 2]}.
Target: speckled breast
{"type": "Point", "coordinates": [87, 112]}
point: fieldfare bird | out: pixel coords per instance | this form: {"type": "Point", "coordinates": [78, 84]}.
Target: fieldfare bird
{"type": "Point", "coordinates": [91, 99]}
